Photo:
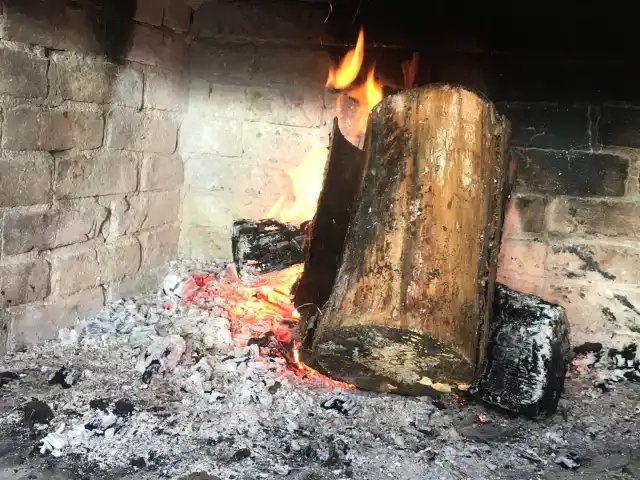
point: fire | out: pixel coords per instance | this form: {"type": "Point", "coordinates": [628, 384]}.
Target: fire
{"type": "Point", "coordinates": [349, 67]}
{"type": "Point", "coordinates": [306, 180]}
{"type": "Point", "coordinates": [368, 96]}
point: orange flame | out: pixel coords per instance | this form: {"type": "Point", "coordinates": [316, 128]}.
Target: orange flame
{"type": "Point", "coordinates": [349, 67]}
{"type": "Point", "coordinates": [306, 180]}
{"type": "Point", "coordinates": [368, 96]}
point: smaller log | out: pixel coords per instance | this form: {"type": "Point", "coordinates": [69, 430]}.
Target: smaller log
{"type": "Point", "coordinates": [263, 246]}
{"type": "Point", "coordinates": [527, 356]}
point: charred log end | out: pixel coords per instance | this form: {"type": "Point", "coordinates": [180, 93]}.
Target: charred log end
{"type": "Point", "coordinates": [393, 360]}
{"type": "Point", "coordinates": [527, 355]}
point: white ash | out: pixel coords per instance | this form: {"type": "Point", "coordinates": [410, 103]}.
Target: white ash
{"type": "Point", "coordinates": [229, 410]}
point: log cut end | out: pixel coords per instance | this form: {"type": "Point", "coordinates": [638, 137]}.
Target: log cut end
{"type": "Point", "coordinates": [527, 356]}
{"type": "Point", "coordinates": [394, 360]}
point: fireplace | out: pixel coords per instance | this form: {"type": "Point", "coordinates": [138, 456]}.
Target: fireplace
{"type": "Point", "coordinates": [135, 133]}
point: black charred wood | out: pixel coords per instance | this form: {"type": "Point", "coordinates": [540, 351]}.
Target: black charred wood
{"type": "Point", "coordinates": [263, 246]}
{"type": "Point", "coordinates": [527, 357]}
{"type": "Point", "coordinates": [342, 181]}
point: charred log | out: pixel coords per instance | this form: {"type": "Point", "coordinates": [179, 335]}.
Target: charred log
{"type": "Point", "coordinates": [265, 246]}
{"type": "Point", "coordinates": [342, 180]}
{"type": "Point", "coordinates": [410, 307]}
{"type": "Point", "coordinates": [527, 356]}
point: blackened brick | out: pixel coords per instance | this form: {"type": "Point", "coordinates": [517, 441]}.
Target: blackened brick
{"type": "Point", "coordinates": [620, 126]}
{"type": "Point", "coordinates": [601, 218]}
{"type": "Point", "coordinates": [549, 126]}
{"type": "Point", "coordinates": [580, 174]}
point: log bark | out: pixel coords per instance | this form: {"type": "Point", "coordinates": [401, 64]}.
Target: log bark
{"type": "Point", "coordinates": [527, 357]}
{"type": "Point", "coordinates": [410, 308]}
{"type": "Point", "coordinates": [263, 246]}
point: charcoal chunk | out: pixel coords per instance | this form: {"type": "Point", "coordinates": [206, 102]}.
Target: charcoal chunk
{"type": "Point", "coordinates": [527, 355]}
{"type": "Point", "coordinates": [65, 377]}
{"type": "Point", "coordinates": [36, 411]}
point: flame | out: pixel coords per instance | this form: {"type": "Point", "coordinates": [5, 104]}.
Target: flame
{"type": "Point", "coordinates": [306, 185]}
{"type": "Point", "coordinates": [349, 67]}
{"type": "Point", "coordinates": [368, 95]}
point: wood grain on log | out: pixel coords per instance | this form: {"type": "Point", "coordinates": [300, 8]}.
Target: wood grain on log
{"type": "Point", "coordinates": [410, 307]}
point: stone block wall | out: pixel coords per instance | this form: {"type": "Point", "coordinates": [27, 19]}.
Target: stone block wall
{"type": "Point", "coordinates": [91, 102]}
{"type": "Point", "coordinates": [572, 232]}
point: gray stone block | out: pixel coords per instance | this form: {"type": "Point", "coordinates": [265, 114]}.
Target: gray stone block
{"type": "Point", "coordinates": [165, 91]}
{"type": "Point", "coordinates": [52, 24]}
{"type": "Point", "coordinates": [222, 63]}
{"type": "Point", "coordinates": [147, 44]}
{"type": "Point", "coordinates": [295, 106]}
{"type": "Point", "coordinates": [177, 16]}
{"type": "Point", "coordinates": [206, 134]}
{"type": "Point", "coordinates": [161, 172]}
{"type": "Point", "coordinates": [92, 79]}
{"type": "Point", "coordinates": [103, 173]}
{"type": "Point", "coordinates": [152, 132]}
{"type": "Point", "coordinates": [145, 281]}
{"type": "Point", "coordinates": [159, 245]}
{"type": "Point", "coordinates": [25, 178]}
{"type": "Point", "coordinates": [23, 282]}
{"type": "Point", "coordinates": [118, 259]}
{"type": "Point", "coordinates": [304, 66]}
{"type": "Point", "coordinates": [37, 323]}
{"type": "Point", "coordinates": [28, 128]}
{"type": "Point", "coordinates": [205, 243]}
{"type": "Point", "coordinates": [71, 222]}
{"type": "Point", "coordinates": [22, 74]}
{"type": "Point", "coordinates": [149, 11]}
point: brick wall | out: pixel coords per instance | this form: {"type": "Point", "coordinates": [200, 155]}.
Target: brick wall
{"type": "Point", "coordinates": [91, 103]}
{"type": "Point", "coordinates": [572, 233]}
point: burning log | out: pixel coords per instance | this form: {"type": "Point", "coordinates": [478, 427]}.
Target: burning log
{"type": "Point", "coordinates": [411, 304]}
{"type": "Point", "coordinates": [528, 355]}
{"type": "Point", "coordinates": [265, 246]}
{"type": "Point", "coordinates": [343, 176]}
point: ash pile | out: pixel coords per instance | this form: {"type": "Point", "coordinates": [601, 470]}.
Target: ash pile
{"type": "Point", "coordinates": [201, 381]}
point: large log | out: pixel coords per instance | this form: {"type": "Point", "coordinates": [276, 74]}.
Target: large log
{"type": "Point", "coordinates": [263, 246]}
{"type": "Point", "coordinates": [410, 308]}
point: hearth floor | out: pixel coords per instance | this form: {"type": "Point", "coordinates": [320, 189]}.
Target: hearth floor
{"type": "Point", "coordinates": [242, 414]}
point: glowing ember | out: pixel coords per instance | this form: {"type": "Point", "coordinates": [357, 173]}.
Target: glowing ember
{"type": "Point", "coordinates": [349, 67]}
{"type": "Point", "coordinates": [262, 305]}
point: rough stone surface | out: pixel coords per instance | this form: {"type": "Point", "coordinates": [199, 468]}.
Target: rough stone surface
{"type": "Point", "coordinates": [84, 175]}
{"type": "Point", "coordinates": [620, 126]}
{"type": "Point", "coordinates": [149, 132]}
{"type": "Point", "coordinates": [92, 79]}
{"type": "Point", "coordinates": [70, 222]}
{"type": "Point", "coordinates": [521, 265]}
{"type": "Point", "coordinates": [596, 263]}
{"type": "Point", "coordinates": [118, 259]}
{"type": "Point", "coordinates": [36, 323]}
{"type": "Point", "coordinates": [586, 217]}
{"type": "Point", "coordinates": [205, 243]}
{"type": "Point", "coordinates": [22, 74]}
{"type": "Point", "coordinates": [149, 11]}
{"type": "Point", "coordinates": [147, 45]}
{"type": "Point", "coordinates": [161, 172]}
{"type": "Point", "coordinates": [303, 67]}
{"type": "Point", "coordinates": [57, 129]}
{"type": "Point", "coordinates": [598, 312]}
{"type": "Point", "coordinates": [524, 215]}
{"type": "Point", "coordinates": [579, 174]}
{"type": "Point", "coordinates": [134, 285]}
{"type": "Point", "coordinates": [25, 178]}
{"type": "Point", "coordinates": [177, 15]}
{"type": "Point", "coordinates": [298, 107]}
{"type": "Point", "coordinates": [159, 245]}
{"type": "Point", "coordinates": [23, 282]}
{"type": "Point", "coordinates": [225, 63]}
{"type": "Point", "coordinates": [207, 134]}
{"type": "Point", "coordinates": [165, 91]}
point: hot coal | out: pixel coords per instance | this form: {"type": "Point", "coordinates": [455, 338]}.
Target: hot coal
{"type": "Point", "coordinates": [65, 377]}
{"type": "Point", "coordinates": [527, 357]}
